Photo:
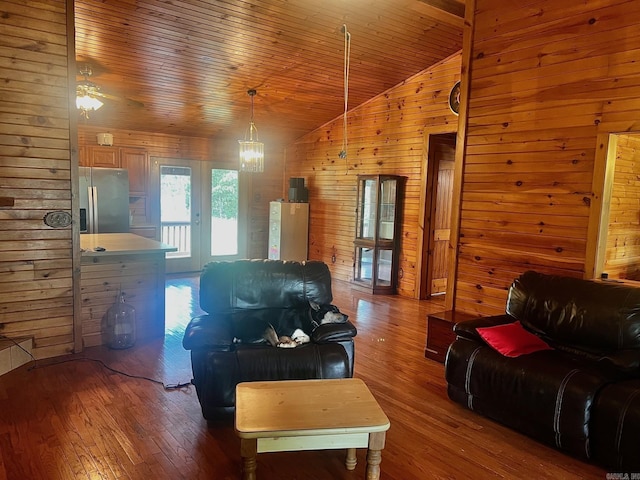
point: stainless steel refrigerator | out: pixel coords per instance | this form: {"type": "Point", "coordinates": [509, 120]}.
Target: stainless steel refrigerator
{"type": "Point", "coordinates": [104, 200]}
{"type": "Point", "coordinates": [288, 231]}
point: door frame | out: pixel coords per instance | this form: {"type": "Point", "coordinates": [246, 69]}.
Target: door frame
{"type": "Point", "coordinates": [428, 180]}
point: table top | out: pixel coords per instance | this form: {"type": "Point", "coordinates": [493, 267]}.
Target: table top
{"type": "Point", "coordinates": [307, 407]}
{"type": "Point", "coordinates": [120, 244]}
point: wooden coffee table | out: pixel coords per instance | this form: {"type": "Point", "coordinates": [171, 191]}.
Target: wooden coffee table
{"type": "Point", "coordinates": [292, 415]}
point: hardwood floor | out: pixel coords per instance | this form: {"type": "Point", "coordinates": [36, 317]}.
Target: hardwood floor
{"type": "Point", "coordinates": [73, 418]}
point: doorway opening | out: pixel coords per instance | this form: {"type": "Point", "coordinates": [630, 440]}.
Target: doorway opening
{"type": "Point", "coordinates": [618, 244]}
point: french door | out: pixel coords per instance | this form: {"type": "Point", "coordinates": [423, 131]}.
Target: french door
{"type": "Point", "coordinates": [202, 213]}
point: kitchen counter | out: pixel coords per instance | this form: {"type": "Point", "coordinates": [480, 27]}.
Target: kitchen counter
{"type": "Point", "coordinates": [120, 244]}
{"type": "Point", "coordinates": [130, 264]}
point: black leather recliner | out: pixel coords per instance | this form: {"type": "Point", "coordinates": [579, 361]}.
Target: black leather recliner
{"type": "Point", "coordinates": [226, 345]}
{"type": "Point", "coordinates": [583, 396]}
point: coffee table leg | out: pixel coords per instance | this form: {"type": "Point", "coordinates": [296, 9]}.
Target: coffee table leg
{"type": "Point", "coordinates": [374, 454]}
{"type": "Point", "coordinates": [248, 452]}
{"type": "Point", "coordinates": [351, 460]}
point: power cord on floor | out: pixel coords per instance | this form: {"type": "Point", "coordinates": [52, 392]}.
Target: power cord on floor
{"type": "Point", "coordinates": [168, 387]}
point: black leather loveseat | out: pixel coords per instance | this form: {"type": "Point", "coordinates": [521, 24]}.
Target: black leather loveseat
{"type": "Point", "coordinates": [240, 298]}
{"type": "Point", "coordinates": [583, 394]}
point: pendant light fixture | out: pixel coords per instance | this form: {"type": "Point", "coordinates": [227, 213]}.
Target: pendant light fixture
{"type": "Point", "coordinates": [251, 151]}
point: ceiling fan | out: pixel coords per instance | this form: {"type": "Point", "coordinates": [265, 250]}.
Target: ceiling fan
{"type": "Point", "coordinates": [88, 94]}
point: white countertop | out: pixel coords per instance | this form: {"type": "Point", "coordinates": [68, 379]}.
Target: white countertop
{"type": "Point", "coordinates": [120, 244]}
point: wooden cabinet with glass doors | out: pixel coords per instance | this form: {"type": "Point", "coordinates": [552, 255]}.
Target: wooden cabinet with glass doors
{"type": "Point", "coordinates": [378, 232]}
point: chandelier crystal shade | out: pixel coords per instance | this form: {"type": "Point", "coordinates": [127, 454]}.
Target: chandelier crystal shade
{"type": "Point", "coordinates": [251, 150]}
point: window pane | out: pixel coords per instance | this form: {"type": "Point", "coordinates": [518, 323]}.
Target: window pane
{"type": "Point", "coordinates": [224, 212]}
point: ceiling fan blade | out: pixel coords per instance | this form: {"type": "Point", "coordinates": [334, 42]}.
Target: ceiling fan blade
{"type": "Point", "coordinates": [129, 101]}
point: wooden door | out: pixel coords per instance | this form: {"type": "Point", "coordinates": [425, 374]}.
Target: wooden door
{"type": "Point", "coordinates": [442, 225]}
{"type": "Point", "coordinates": [441, 162]}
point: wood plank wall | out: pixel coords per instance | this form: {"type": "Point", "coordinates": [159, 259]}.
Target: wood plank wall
{"type": "Point", "coordinates": [385, 135]}
{"type": "Point", "coordinates": [622, 257]}
{"type": "Point", "coordinates": [36, 274]}
{"type": "Point", "coordinates": [545, 79]}
{"type": "Point", "coordinates": [265, 187]}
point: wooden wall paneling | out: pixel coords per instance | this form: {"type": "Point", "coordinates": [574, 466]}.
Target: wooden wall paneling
{"type": "Point", "coordinates": [385, 136]}
{"type": "Point", "coordinates": [37, 280]}
{"type": "Point", "coordinates": [548, 82]}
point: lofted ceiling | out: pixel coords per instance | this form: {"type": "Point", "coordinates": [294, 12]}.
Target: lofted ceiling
{"type": "Point", "coordinates": [183, 67]}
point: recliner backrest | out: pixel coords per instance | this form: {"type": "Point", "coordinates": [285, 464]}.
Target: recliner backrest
{"type": "Point", "coordinates": [594, 315]}
{"type": "Point", "coordinates": [227, 287]}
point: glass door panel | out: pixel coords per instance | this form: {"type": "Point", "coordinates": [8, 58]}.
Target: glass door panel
{"type": "Point", "coordinates": [384, 267]}
{"type": "Point", "coordinates": [364, 265]}
{"type": "Point", "coordinates": [224, 212]}
{"type": "Point", "coordinates": [225, 199]}
{"type": "Point", "coordinates": [180, 214]}
{"type": "Point", "coordinates": [387, 209]}
{"type": "Point", "coordinates": [367, 213]}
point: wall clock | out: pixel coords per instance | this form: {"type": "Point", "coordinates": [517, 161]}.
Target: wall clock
{"type": "Point", "coordinates": [454, 98]}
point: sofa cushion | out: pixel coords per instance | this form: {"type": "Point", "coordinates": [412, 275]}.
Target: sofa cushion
{"type": "Point", "coordinates": [581, 315]}
{"type": "Point", "coordinates": [512, 340]}
{"type": "Point", "coordinates": [547, 395]}
{"type": "Point", "coordinates": [616, 426]}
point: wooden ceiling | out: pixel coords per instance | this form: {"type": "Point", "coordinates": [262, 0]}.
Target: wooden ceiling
{"type": "Point", "coordinates": [183, 67]}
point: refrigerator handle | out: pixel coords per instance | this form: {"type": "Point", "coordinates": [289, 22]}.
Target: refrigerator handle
{"type": "Point", "coordinates": [93, 210]}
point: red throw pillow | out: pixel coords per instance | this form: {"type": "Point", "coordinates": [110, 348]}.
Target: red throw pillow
{"type": "Point", "coordinates": [512, 340]}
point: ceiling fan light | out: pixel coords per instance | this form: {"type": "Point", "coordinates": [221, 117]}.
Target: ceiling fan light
{"type": "Point", "coordinates": [86, 94]}
{"type": "Point", "coordinates": [87, 102]}
{"type": "Point", "coordinates": [251, 151]}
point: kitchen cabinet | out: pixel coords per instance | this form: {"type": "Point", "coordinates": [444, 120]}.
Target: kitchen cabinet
{"type": "Point", "coordinates": [136, 161]}
{"type": "Point", "coordinates": [99, 156]}
{"type": "Point", "coordinates": [378, 232]}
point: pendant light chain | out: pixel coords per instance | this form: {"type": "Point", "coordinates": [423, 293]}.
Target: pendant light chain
{"type": "Point", "coordinates": [252, 126]}
{"type": "Point", "coordinates": [347, 56]}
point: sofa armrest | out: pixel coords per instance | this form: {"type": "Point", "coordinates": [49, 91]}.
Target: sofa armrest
{"type": "Point", "coordinates": [467, 328]}
{"type": "Point", "coordinates": [333, 332]}
{"type": "Point", "coordinates": [210, 332]}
